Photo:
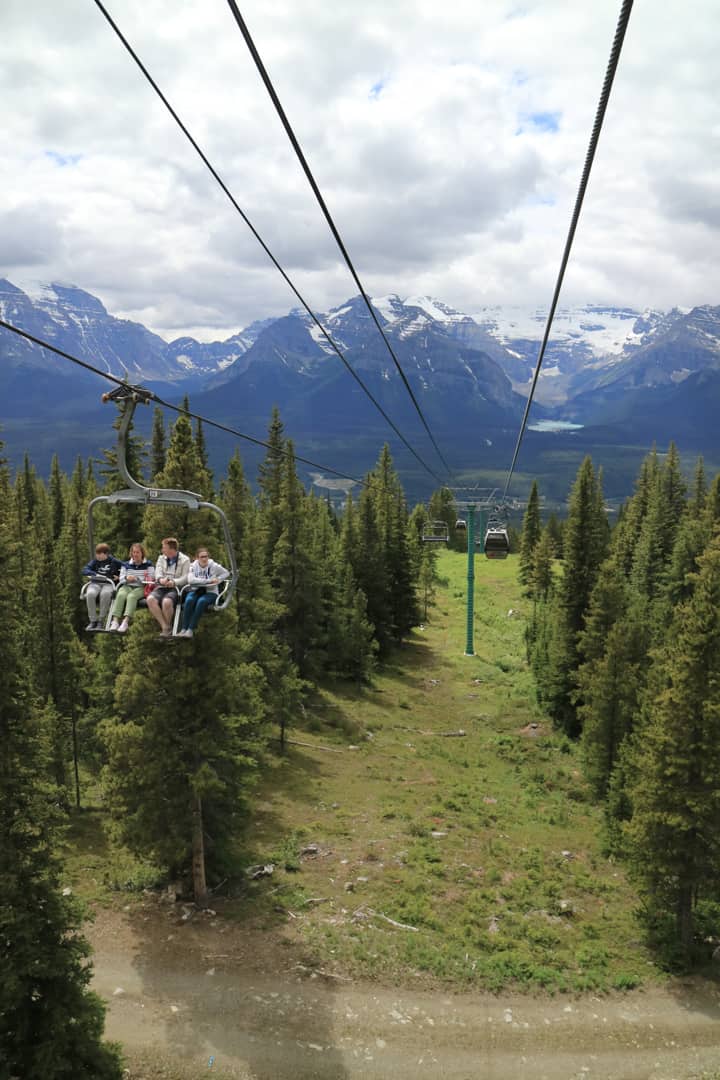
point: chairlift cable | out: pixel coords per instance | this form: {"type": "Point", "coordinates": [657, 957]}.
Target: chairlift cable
{"type": "Point", "coordinates": [168, 405]}
{"type": "Point", "coordinates": [617, 44]}
{"type": "Point", "coordinates": [328, 217]}
{"type": "Point", "coordinates": [259, 239]}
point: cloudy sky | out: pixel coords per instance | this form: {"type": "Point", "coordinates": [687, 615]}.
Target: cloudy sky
{"type": "Point", "coordinates": [448, 140]}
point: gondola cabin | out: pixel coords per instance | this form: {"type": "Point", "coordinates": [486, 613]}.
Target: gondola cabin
{"type": "Point", "coordinates": [461, 525]}
{"type": "Point", "coordinates": [497, 544]}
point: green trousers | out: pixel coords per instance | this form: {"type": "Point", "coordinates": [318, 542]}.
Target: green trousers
{"type": "Point", "coordinates": [126, 600]}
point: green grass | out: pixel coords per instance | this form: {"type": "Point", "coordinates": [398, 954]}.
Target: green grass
{"type": "Point", "coordinates": [494, 900]}
{"type": "Point", "coordinates": [486, 844]}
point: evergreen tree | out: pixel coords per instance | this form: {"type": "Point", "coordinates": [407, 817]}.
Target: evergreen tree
{"type": "Point", "coordinates": [57, 657]}
{"type": "Point", "coordinates": [57, 503]}
{"type": "Point", "coordinates": [203, 457]}
{"type": "Point", "coordinates": [530, 538]}
{"type": "Point", "coordinates": [157, 445]}
{"type": "Point", "coordinates": [184, 471]}
{"type": "Point", "coordinates": [352, 644]}
{"type": "Point", "coordinates": [50, 1024]}
{"type": "Point", "coordinates": [391, 520]}
{"type": "Point", "coordinates": [555, 530]}
{"type": "Point", "coordinates": [120, 525]}
{"type": "Point", "coordinates": [270, 480]}
{"type": "Point", "coordinates": [297, 576]}
{"type": "Point", "coordinates": [675, 828]}
{"type": "Point", "coordinates": [182, 747]}
{"type": "Point", "coordinates": [611, 687]}
{"type": "Point", "coordinates": [696, 503]}
{"type": "Point", "coordinates": [585, 543]}
{"type": "Point", "coordinates": [627, 533]}
{"type": "Point", "coordinates": [542, 574]}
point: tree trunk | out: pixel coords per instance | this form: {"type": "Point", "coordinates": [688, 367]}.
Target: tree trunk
{"type": "Point", "coordinates": [685, 918]}
{"type": "Point", "coordinates": [198, 855]}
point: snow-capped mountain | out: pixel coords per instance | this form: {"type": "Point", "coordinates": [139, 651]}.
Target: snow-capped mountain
{"type": "Point", "coordinates": [77, 322]}
{"type": "Point", "coordinates": [634, 373]}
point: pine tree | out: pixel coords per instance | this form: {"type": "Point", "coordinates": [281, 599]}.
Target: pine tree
{"type": "Point", "coordinates": [297, 577]}
{"type": "Point", "coordinates": [391, 519]}
{"type": "Point", "coordinates": [675, 828]}
{"type": "Point", "coordinates": [184, 471]}
{"type": "Point", "coordinates": [542, 575]}
{"type": "Point", "coordinates": [530, 538]}
{"type": "Point", "coordinates": [611, 687]}
{"type": "Point", "coordinates": [627, 533]}
{"type": "Point", "coordinates": [57, 502]}
{"type": "Point", "coordinates": [120, 525]}
{"type": "Point", "coordinates": [203, 456]}
{"type": "Point", "coordinates": [157, 445]}
{"type": "Point", "coordinates": [182, 748]}
{"type": "Point", "coordinates": [698, 495]}
{"type": "Point", "coordinates": [270, 481]}
{"type": "Point", "coordinates": [50, 1024]}
{"type": "Point", "coordinates": [556, 531]}
{"type": "Point", "coordinates": [584, 548]}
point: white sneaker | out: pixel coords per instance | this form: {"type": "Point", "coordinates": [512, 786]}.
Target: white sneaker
{"type": "Point", "coordinates": [187, 633]}
{"type": "Point", "coordinates": [123, 627]}
{"type": "Point", "coordinates": [114, 625]}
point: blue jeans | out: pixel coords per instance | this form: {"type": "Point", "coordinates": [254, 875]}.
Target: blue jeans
{"type": "Point", "coordinates": [195, 604]}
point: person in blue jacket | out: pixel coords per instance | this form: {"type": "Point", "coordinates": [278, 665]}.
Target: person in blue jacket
{"type": "Point", "coordinates": [103, 571]}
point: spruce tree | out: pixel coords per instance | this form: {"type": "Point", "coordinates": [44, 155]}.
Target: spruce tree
{"type": "Point", "coordinates": [297, 576]}
{"type": "Point", "coordinates": [530, 537]}
{"type": "Point", "coordinates": [183, 470]}
{"type": "Point", "coordinates": [120, 525]}
{"type": "Point", "coordinates": [50, 1024]}
{"type": "Point", "coordinates": [182, 747]}
{"type": "Point", "coordinates": [611, 687]}
{"type": "Point", "coordinates": [157, 445]}
{"type": "Point", "coordinates": [584, 549]}
{"type": "Point", "coordinates": [270, 480]}
{"type": "Point", "coordinates": [56, 497]}
{"type": "Point", "coordinates": [675, 828]}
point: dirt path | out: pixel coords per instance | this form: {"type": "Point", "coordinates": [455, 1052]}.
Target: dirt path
{"type": "Point", "coordinates": [207, 997]}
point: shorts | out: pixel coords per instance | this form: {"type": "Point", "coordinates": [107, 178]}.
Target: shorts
{"type": "Point", "coordinates": [160, 592]}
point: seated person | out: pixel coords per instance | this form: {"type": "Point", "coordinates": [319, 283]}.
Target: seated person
{"type": "Point", "coordinates": [136, 573]}
{"type": "Point", "coordinates": [204, 577]}
{"type": "Point", "coordinates": [171, 574]}
{"type": "Point", "coordinates": [103, 571]}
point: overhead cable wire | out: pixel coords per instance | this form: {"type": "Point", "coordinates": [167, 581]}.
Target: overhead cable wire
{"type": "Point", "coordinates": [328, 217]}
{"type": "Point", "coordinates": [617, 44]}
{"type": "Point", "coordinates": [168, 405]}
{"type": "Point", "coordinates": [206, 161]}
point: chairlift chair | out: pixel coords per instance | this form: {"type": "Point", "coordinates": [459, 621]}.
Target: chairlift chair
{"type": "Point", "coordinates": [435, 532]}
{"type": "Point", "coordinates": [128, 397]}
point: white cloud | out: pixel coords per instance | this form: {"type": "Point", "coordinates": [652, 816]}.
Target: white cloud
{"type": "Point", "coordinates": [448, 141]}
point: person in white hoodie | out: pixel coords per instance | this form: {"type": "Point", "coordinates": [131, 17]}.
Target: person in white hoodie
{"type": "Point", "coordinates": [171, 575]}
{"type": "Point", "coordinates": [204, 578]}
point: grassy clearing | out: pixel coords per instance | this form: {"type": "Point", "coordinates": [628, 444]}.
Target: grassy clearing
{"type": "Point", "coordinates": [483, 846]}
{"type": "Point", "coordinates": [486, 844]}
